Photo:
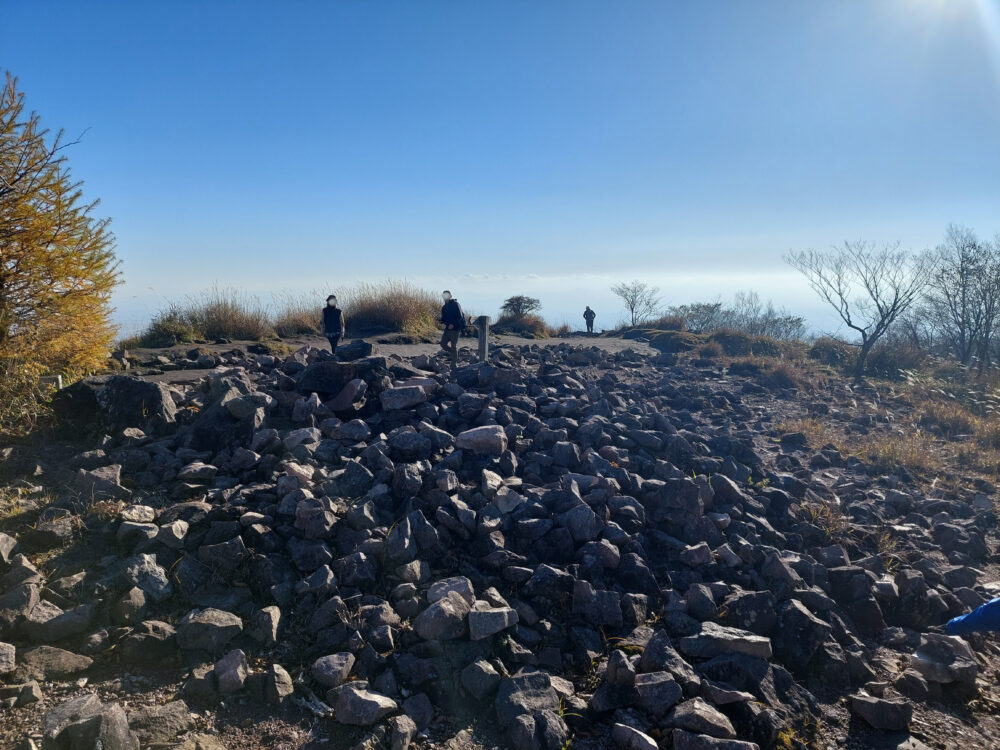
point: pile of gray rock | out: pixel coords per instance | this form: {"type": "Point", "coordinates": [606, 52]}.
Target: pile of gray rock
{"type": "Point", "coordinates": [574, 543]}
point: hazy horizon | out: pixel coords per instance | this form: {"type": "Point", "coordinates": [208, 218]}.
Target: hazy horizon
{"type": "Point", "coordinates": [540, 148]}
{"type": "Point", "coordinates": [563, 298]}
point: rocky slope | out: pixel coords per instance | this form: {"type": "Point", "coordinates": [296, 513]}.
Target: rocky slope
{"type": "Point", "coordinates": [561, 547]}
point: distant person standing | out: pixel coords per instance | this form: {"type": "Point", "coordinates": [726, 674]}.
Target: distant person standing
{"type": "Point", "coordinates": [333, 322]}
{"type": "Point", "coordinates": [454, 323]}
{"type": "Point", "coordinates": [589, 315]}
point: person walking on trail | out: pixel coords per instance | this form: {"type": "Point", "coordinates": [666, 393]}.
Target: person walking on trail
{"type": "Point", "coordinates": [333, 322]}
{"type": "Point", "coordinates": [589, 315]}
{"type": "Point", "coordinates": [454, 322]}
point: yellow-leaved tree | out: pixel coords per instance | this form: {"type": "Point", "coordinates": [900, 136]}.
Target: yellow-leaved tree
{"type": "Point", "coordinates": [57, 265]}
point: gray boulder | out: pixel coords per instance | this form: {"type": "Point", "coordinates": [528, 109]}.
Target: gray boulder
{"type": "Point", "coordinates": [684, 740]}
{"type": "Point", "coordinates": [207, 630]}
{"type": "Point", "coordinates": [630, 738]}
{"type": "Point", "coordinates": [84, 723]}
{"type": "Point", "coordinates": [525, 693]}
{"type": "Point", "coordinates": [359, 707]}
{"type": "Point", "coordinates": [714, 639]}
{"type": "Point", "coordinates": [697, 715]}
{"type": "Point", "coordinates": [945, 659]}
{"type": "Point", "coordinates": [480, 679]}
{"type": "Point", "coordinates": [487, 621]}
{"type": "Point", "coordinates": [489, 439]}
{"type": "Point", "coordinates": [160, 723]}
{"type": "Point", "coordinates": [444, 619]}
{"type": "Point", "coordinates": [332, 670]}
{"type": "Point", "coordinates": [405, 397]}
{"type": "Point", "coordinates": [115, 402]}
{"type": "Point", "coordinates": [882, 713]}
{"type": "Point", "coordinates": [45, 663]}
{"type": "Point", "coordinates": [231, 672]}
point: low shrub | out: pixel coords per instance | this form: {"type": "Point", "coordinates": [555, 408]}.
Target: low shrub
{"type": "Point", "coordinates": [987, 433]}
{"type": "Point", "coordinates": [745, 367]}
{"type": "Point", "coordinates": [733, 343]}
{"type": "Point", "coordinates": [529, 326]}
{"type": "Point", "coordinates": [778, 378]}
{"type": "Point", "coordinates": [951, 418]}
{"type": "Point", "coordinates": [665, 323]}
{"type": "Point", "coordinates": [765, 346]}
{"type": "Point", "coordinates": [636, 333]}
{"type": "Point", "coordinates": [709, 349]}
{"type": "Point", "coordinates": [831, 352]}
{"type": "Point", "coordinates": [674, 342]}
{"type": "Point", "coordinates": [169, 327]}
{"type": "Point", "coordinates": [889, 359]}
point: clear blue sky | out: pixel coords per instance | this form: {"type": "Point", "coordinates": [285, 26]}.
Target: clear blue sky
{"type": "Point", "coordinates": [548, 148]}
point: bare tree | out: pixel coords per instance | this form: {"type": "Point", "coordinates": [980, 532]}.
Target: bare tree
{"type": "Point", "coordinates": [868, 286]}
{"type": "Point", "coordinates": [958, 291]}
{"type": "Point", "coordinates": [989, 291]}
{"type": "Point", "coordinates": [701, 317]}
{"type": "Point", "coordinates": [748, 313]}
{"type": "Point", "coordinates": [641, 299]}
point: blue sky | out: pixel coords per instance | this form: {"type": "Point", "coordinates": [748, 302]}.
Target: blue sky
{"type": "Point", "coordinates": [497, 148]}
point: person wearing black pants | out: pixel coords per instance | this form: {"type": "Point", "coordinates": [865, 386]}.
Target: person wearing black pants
{"type": "Point", "coordinates": [333, 322]}
{"type": "Point", "coordinates": [454, 322]}
{"type": "Point", "coordinates": [589, 315]}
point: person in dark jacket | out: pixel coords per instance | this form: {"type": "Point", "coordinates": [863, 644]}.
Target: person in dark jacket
{"type": "Point", "coordinates": [333, 322]}
{"type": "Point", "coordinates": [589, 315]}
{"type": "Point", "coordinates": [454, 322]}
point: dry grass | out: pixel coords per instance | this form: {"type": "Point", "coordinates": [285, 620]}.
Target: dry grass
{"type": "Point", "coordinates": [228, 313]}
{"type": "Point", "coordinates": [950, 417]}
{"type": "Point", "coordinates": [525, 325]}
{"type": "Point", "coordinates": [913, 449]}
{"type": "Point", "coordinates": [390, 306]}
{"type": "Point", "coordinates": [710, 349]}
{"type": "Point", "coordinates": [223, 313]}
{"type": "Point", "coordinates": [733, 343]}
{"type": "Point", "coordinates": [831, 519]}
{"type": "Point", "coordinates": [295, 315]}
{"type": "Point", "coordinates": [959, 411]}
{"type": "Point", "coordinates": [779, 376]}
{"type": "Point", "coordinates": [665, 323]}
{"type": "Point", "coordinates": [22, 403]}
{"type": "Point", "coordinates": [818, 432]}
{"type": "Point", "coordinates": [219, 313]}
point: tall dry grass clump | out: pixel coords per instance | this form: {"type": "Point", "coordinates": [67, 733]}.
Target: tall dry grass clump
{"type": "Point", "coordinates": [226, 313]}
{"type": "Point", "coordinates": [296, 315]}
{"type": "Point", "coordinates": [21, 399]}
{"type": "Point", "coordinates": [531, 326]}
{"type": "Point", "coordinates": [390, 306]}
{"type": "Point", "coordinates": [219, 313]}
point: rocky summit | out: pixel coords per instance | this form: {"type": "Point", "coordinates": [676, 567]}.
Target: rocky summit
{"type": "Point", "coordinates": [560, 547]}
